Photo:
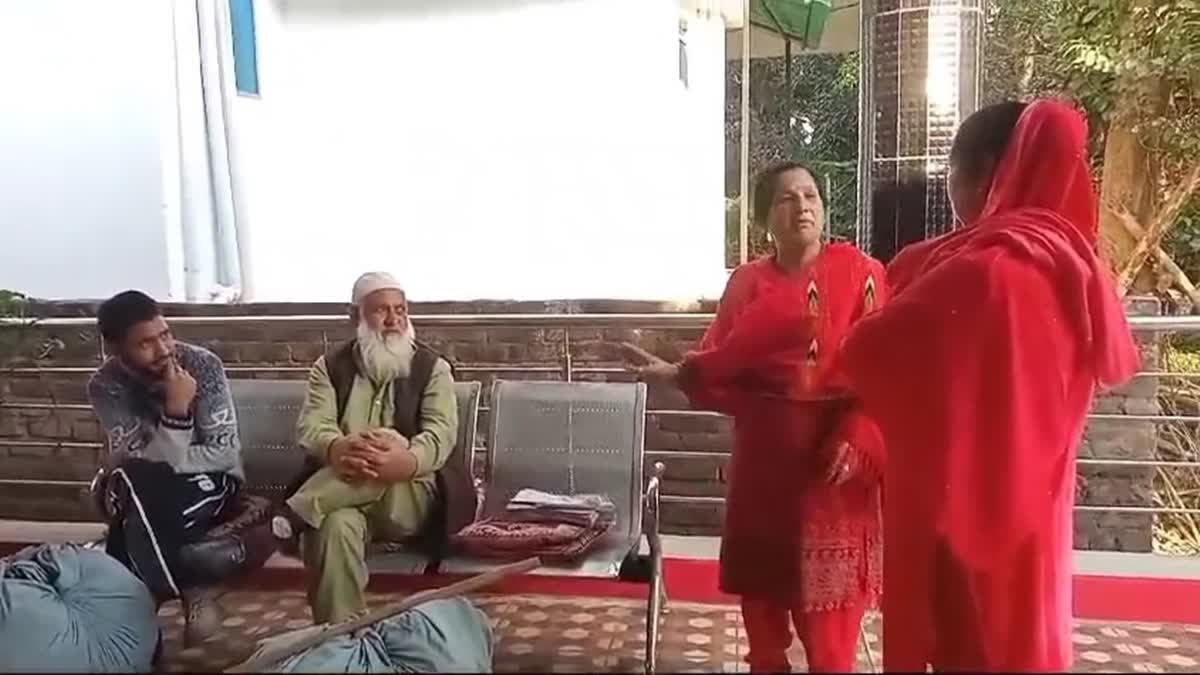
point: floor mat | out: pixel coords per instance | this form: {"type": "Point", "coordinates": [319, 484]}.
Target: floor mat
{"type": "Point", "coordinates": [557, 634]}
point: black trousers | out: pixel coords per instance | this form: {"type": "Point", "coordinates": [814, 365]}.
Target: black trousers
{"type": "Point", "coordinates": [156, 513]}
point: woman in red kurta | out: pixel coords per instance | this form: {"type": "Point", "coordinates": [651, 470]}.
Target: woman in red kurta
{"type": "Point", "coordinates": [980, 373]}
{"type": "Point", "coordinates": [801, 535]}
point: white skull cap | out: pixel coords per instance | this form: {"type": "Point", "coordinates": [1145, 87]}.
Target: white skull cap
{"type": "Point", "coordinates": [371, 282]}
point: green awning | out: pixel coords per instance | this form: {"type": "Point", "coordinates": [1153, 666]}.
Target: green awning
{"type": "Point", "coordinates": [800, 20]}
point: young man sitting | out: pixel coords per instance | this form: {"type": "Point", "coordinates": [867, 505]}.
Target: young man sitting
{"type": "Point", "coordinates": [174, 463]}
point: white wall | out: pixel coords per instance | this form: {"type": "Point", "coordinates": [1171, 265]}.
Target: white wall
{"type": "Point", "coordinates": [476, 148]}
{"type": "Point", "coordinates": [498, 148]}
{"type": "Point", "coordinates": [703, 155]}
{"type": "Point", "coordinates": [84, 90]}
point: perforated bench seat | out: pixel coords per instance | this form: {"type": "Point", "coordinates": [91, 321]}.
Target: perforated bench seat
{"type": "Point", "coordinates": [561, 437]}
{"type": "Point", "coordinates": [568, 438]}
{"type": "Point", "coordinates": [267, 413]}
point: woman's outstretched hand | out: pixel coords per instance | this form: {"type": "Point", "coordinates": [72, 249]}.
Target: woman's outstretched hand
{"type": "Point", "coordinates": [648, 366]}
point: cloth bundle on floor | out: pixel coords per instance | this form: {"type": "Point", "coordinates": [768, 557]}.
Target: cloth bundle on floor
{"type": "Point", "coordinates": [440, 636]}
{"type": "Point", "coordinates": [555, 528]}
{"type": "Point", "coordinates": [65, 608]}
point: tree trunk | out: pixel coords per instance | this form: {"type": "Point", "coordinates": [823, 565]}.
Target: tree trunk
{"type": "Point", "coordinates": [1127, 182]}
{"type": "Point", "coordinates": [1131, 175]}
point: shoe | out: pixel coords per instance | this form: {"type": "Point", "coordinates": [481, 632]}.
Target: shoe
{"type": "Point", "coordinates": [201, 616]}
{"type": "Point", "coordinates": [259, 543]}
{"type": "Point", "coordinates": [211, 561]}
{"type": "Point", "coordinates": [287, 525]}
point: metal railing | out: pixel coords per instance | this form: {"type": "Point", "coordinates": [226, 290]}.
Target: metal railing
{"type": "Point", "coordinates": [567, 369]}
{"type": "Point", "coordinates": [654, 320]}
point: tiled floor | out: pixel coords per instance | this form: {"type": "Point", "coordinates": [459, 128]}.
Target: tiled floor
{"type": "Point", "coordinates": [557, 634]}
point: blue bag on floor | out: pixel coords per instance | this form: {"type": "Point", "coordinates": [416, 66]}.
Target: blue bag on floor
{"type": "Point", "coordinates": [64, 608]}
{"type": "Point", "coordinates": [440, 636]}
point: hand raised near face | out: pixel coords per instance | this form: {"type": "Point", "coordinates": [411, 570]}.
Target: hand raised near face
{"type": "Point", "coordinates": [179, 389]}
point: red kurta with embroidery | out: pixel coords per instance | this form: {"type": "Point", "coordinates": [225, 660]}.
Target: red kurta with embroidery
{"type": "Point", "coordinates": [767, 361]}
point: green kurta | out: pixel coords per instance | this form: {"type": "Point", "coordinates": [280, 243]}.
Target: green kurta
{"type": "Point", "coordinates": [345, 516]}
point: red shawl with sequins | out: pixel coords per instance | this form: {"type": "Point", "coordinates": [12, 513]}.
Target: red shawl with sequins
{"type": "Point", "coordinates": [767, 360]}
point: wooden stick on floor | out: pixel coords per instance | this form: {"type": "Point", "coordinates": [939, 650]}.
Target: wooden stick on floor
{"type": "Point", "coordinates": [272, 655]}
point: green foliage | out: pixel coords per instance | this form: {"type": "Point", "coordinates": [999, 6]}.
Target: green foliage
{"type": "Point", "coordinates": [1138, 63]}
{"type": "Point", "coordinates": [1183, 358]}
{"type": "Point", "coordinates": [1132, 62]}
{"type": "Point", "coordinates": [806, 113]}
{"type": "Point", "coordinates": [1183, 241]}
{"type": "Point", "coordinates": [1020, 59]}
{"type": "Point", "coordinates": [1135, 62]}
{"type": "Point", "coordinates": [12, 338]}
{"type": "Point", "coordinates": [12, 303]}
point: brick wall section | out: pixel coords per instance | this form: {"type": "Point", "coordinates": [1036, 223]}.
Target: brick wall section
{"type": "Point", "coordinates": [250, 344]}
{"type": "Point", "coordinates": [28, 434]}
{"type": "Point", "coordinates": [1121, 440]}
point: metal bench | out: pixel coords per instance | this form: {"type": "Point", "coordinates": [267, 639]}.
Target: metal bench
{"type": "Point", "coordinates": [553, 436]}
{"type": "Point", "coordinates": [267, 411]}
{"type": "Point", "coordinates": [266, 414]}
{"type": "Point", "coordinates": [577, 438]}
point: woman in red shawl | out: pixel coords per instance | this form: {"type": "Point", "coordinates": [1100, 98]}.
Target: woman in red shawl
{"type": "Point", "coordinates": [801, 535]}
{"type": "Point", "coordinates": [980, 373]}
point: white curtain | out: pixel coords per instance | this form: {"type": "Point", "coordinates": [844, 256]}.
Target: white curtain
{"type": "Point", "coordinates": [207, 196]}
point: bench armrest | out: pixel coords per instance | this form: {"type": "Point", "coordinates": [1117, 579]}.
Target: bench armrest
{"type": "Point", "coordinates": [653, 504]}
{"type": "Point", "coordinates": [96, 490]}
{"type": "Point", "coordinates": [480, 495]}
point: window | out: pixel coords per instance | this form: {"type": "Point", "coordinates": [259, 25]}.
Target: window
{"type": "Point", "coordinates": [245, 47]}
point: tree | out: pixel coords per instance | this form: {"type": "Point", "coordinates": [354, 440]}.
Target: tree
{"type": "Point", "coordinates": [12, 339]}
{"type": "Point", "coordinates": [804, 110]}
{"type": "Point", "coordinates": [11, 303]}
{"type": "Point", "coordinates": [1134, 67]}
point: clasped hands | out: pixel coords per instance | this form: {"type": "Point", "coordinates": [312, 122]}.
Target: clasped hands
{"type": "Point", "coordinates": [378, 454]}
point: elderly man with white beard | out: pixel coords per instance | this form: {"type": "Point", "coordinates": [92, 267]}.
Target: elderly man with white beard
{"type": "Point", "coordinates": [380, 418]}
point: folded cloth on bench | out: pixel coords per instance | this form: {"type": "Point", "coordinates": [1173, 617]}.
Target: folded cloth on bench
{"type": "Point", "coordinates": [577, 518]}
{"type": "Point", "coordinates": [530, 498]}
{"type": "Point", "coordinates": [556, 528]}
{"type": "Point", "coordinates": [439, 636]}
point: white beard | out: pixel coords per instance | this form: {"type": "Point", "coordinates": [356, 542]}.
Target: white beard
{"type": "Point", "coordinates": [386, 358]}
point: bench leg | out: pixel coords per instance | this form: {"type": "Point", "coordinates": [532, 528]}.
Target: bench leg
{"type": "Point", "coordinates": [862, 635]}
{"type": "Point", "coordinates": [656, 604]}
{"type": "Point", "coordinates": [655, 608]}
{"type": "Point", "coordinates": [663, 597]}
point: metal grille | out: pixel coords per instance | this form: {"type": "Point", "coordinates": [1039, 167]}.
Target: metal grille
{"type": "Point", "coordinates": [920, 79]}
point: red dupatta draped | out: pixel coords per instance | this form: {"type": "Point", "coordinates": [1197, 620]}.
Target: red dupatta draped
{"type": "Point", "coordinates": [972, 369]}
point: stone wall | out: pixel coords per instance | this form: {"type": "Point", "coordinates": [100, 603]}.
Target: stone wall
{"type": "Point", "coordinates": [1121, 439]}
{"type": "Point", "coordinates": [48, 434]}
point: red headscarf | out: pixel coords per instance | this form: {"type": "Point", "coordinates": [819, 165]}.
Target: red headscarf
{"type": "Point", "coordinates": [1041, 201]}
